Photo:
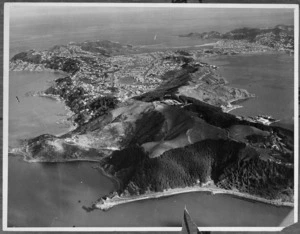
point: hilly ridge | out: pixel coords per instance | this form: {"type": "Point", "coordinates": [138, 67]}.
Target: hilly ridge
{"type": "Point", "coordinates": [231, 165]}
{"type": "Point", "coordinates": [279, 37]}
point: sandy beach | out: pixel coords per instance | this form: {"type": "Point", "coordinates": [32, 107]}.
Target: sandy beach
{"type": "Point", "coordinates": [118, 200]}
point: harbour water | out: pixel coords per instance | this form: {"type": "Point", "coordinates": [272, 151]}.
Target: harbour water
{"type": "Point", "coordinates": [269, 76]}
{"type": "Point", "coordinates": [29, 115]}
{"type": "Point", "coordinates": [52, 195]}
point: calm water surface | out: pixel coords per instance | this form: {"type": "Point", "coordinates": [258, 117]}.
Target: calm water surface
{"type": "Point", "coordinates": [32, 115]}
{"type": "Point", "coordinates": [52, 195]}
{"type": "Point", "coordinates": [269, 76]}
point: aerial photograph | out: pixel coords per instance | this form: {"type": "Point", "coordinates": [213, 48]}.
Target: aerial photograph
{"type": "Point", "coordinates": [125, 116]}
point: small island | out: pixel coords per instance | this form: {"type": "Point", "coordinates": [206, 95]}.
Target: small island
{"type": "Point", "coordinates": [158, 122]}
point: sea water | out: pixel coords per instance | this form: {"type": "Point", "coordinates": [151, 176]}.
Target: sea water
{"type": "Point", "coordinates": [53, 195]}
{"type": "Point", "coordinates": [30, 115]}
{"type": "Point", "coordinates": [269, 76]}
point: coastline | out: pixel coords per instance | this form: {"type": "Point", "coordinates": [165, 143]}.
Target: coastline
{"type": "Point", "coordinates": [108, 203]}
{"type": "Point", "coordinates": [211, 58]}
{"type": "Point", "coordinates": [65, 161]}
{"type": "Point", "coordinates": [192, 46]}
{"type": "Point", "coordinates": [230, 106]}
{"type": "Point", "coordinates": [157, 46]}
{"type": "Point", "coordinates": [68, 116]}
{"type": "Point", "coordinates": [115, 181]}
{"type": "Point", "coordinates": [21, 152]}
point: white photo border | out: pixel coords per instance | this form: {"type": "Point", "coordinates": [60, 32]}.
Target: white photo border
{"type": "Point", "coordinates": [6, 45]}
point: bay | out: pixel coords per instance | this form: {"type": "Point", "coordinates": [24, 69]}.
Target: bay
{"type": "Point", "coordinates": [30, 115]}
{"type": "Point", "coordinates": [52, 195]}
{"type": "Point", "coordinates": [269, 76]}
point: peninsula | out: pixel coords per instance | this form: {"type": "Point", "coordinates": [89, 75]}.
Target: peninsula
{"type": "Point", "coordinates": [158, 123]}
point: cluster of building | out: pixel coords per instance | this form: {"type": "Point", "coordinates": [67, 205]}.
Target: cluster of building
{"type": "Point", "coordinates": [123, 76]}
{"type": "Point", "coordinates": [239, 46]}
{"type": "Point", "coordinates": [131, 74]}
{"type": "Point", "coordinates": [20, 65]}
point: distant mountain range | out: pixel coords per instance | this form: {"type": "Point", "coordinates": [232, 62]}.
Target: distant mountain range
{"type": "Point", "coordinates": [281, 36]}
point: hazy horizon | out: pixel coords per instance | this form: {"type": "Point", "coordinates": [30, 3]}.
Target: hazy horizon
{"type": "Point", "coordinates": [220, 17]}
{"type": "Point", "coordinates": [40, 27]}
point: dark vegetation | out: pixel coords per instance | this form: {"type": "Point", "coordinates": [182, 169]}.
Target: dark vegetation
{"type": "Point", "coordinates": [28, 56]}
{"type": "Point", "coordinates": [70, 66]}
{"type": "Point", "coordinates": [243, 34]}
{"type": "Point", "coordinates": [105, 48]}
{"type": "Point", "coordinates": [169, 74]}
{"type": "Point", "coordinates": [101, 105]}
{"type": "Point", "coordinates": [74, 98]}
{"type": "Point", "coordinates": [183, 52]}
{"type": "Point", "coordinates": [173, 80]}
{"type": "Point", "coordinates": [280, 35]}
{"type": "Point", "coordinates": [254, 35]}
{"type": "Point", "coordinates": [64, 80]}
{"type": "Point", "coordinates": [215, 116]}
{"type": "Point", "coordinates": [93, 124]}
{"type": "Point", "coordinates": [147, 128]}
{"type": "Point", "coordinates": [92, 47]}
{"type": "Point", "coordinates": [41, 138]}
{"type": "Point", "coordinates": [179, 59]}
{"type": "Point", "coordinates": [229, 164]}
{"type": "Point", "coordinates": [59, 63]}
{"type": "Point", "coordinates": [258, 177]}
{"type": "Point", "coordinates": [204, 35]}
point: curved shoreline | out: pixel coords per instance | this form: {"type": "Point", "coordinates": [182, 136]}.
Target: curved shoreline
{"type": "Point", "coordinates": [108, 203]}
{"type": "Point", "coordinates": [115, 180]}
{"type": "Point", "coordinates": [231, 106]}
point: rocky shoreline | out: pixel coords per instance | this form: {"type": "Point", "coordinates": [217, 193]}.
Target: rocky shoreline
{"type": "Point", "coordinates": [230, 106]}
